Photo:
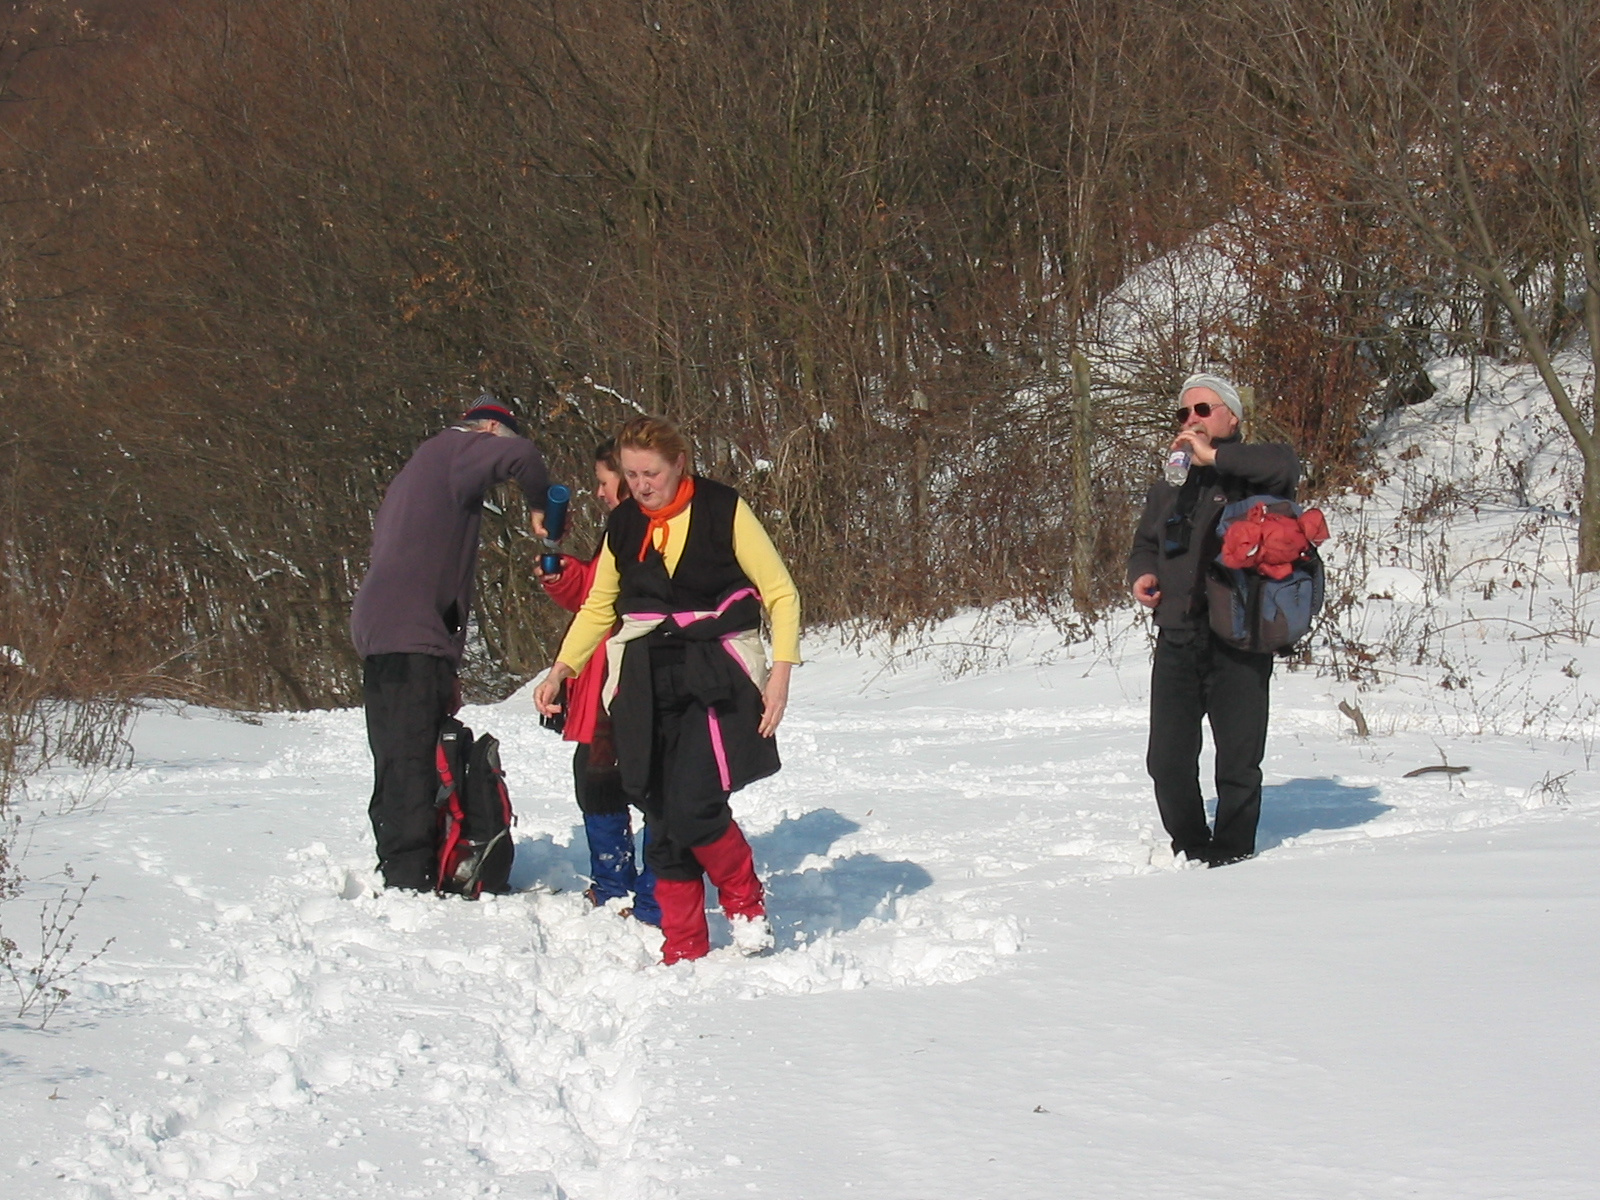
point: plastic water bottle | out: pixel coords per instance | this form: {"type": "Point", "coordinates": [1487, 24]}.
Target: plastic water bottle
{"type": "Point", "coordinates": [1178, 466]}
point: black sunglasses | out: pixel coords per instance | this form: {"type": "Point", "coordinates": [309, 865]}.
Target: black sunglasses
{"type": "Point", "coordinates": [1201, 410]}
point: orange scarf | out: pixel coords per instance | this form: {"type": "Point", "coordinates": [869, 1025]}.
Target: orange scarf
{"type": "Point", "coordinates": [659, 518]}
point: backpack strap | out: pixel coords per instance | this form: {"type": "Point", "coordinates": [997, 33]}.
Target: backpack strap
{"type": "Point", "coordinates": [450, 758]}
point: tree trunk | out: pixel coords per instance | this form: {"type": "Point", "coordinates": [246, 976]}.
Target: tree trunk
{"type": "Point", "coordinates": [1589, 502]}
{"type": "Point", "coordinates": [1589, 519]}
{"type": "Point", "coordinates": [1083, 522]}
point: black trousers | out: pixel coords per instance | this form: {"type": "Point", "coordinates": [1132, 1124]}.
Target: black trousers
{"type": "Point", "coordinates": [597, 785]}
{"type": "Point", "coordinates": [1197, 676]}
{"type": "Point", "coordinates": [684, 805]}
{"type": "Point", "coordinates": [407, 698]}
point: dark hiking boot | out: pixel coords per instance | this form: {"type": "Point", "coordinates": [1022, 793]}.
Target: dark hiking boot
{"type": "Point", "coordinates": [1228, 861]}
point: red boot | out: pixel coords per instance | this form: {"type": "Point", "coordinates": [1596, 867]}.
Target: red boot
{"type": "Point", "coordinates": [683, 919]}
{"type": "Point", "coordinates": [727, 860]}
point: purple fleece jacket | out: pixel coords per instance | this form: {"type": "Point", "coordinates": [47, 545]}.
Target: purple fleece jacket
{"type": "Point", "coordinates": [418, 589]}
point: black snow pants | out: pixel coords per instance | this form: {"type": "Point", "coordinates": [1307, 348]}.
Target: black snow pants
{"type": "Point", "coordinates": [685, 805]}
{"type": "Point", "coordinates": [1197, 676]}
{"type": "Point", "coordinates": [407, 698]}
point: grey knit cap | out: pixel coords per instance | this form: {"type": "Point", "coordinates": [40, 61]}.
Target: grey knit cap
{"type": "Point", "coordinates": [1225, 391]}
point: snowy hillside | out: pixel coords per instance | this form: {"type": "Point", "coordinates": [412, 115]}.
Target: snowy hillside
{"type": "Point", "coordinates": [991, 979]}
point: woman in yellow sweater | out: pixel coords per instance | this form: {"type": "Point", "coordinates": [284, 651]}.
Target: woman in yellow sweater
{"type": "Point", "coordinates": [684, 572]}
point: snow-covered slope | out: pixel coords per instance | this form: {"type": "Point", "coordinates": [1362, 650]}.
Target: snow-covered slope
{"type": "Point", "coordinates": [991, 979]}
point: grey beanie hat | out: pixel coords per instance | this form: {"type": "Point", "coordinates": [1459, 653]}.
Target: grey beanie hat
{"type": "Point", "coordinates": [1225, 391]}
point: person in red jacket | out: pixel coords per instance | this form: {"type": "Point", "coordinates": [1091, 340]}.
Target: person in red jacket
{"type": "Point", "coordinates": [607, 818]}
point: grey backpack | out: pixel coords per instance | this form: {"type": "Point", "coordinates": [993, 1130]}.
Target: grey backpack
{"type": "Point", "coordinates": [1252, 611]}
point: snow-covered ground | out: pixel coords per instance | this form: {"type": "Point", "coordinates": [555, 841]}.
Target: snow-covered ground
{"type": "Point", "coordinates": [991, 979]}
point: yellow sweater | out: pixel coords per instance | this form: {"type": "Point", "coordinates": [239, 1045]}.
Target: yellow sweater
{"type": "Point", "coordinates": [758, 559]}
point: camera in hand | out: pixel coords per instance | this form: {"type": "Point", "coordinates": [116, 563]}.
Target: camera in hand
{"type": "Point", "coordinates": [557, 722]}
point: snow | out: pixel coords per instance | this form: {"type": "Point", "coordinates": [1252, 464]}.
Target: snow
{"type": "Point", "coordinates": [991, 979]}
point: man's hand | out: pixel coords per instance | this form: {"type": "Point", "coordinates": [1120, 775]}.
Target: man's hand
{"type": "Point", "coordinates": [1199, 443]}
{"type": "Point", "coordinates": [536, 521]}
{"type": "Point", "coordinates": [1147, 590]}
{"type": "Point", "coordinates": [775, 698]}
{"type": "Point", "coordinates": [549, 690]}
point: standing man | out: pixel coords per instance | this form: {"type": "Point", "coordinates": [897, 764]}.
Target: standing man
{"type": "Point", "coordinates": [409, 622]}
{"type": "Point", "coordinates": [1196, 674]}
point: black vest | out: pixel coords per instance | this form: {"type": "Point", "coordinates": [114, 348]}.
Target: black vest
{"type": "Point", "coordinates": [707, 569]}
{"type": "Point", "coordinates": [707, 574]}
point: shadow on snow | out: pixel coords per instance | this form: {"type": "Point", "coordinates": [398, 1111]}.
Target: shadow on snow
{"type": "Point", "coordinates": [544, 863]}
{"type": "Point", "coordinates": [1301, 806]}
{"type": "Point", "coordinates": [832, 896]}
{"type": "Point", "coordinates": [829, 897]}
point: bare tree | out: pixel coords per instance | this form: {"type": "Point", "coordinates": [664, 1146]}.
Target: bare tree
{"type": "Point", "coordinates": [1474, 127]}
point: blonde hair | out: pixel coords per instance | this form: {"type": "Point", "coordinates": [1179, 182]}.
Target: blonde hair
{"type": "Point", "coordinates": [657, 434]}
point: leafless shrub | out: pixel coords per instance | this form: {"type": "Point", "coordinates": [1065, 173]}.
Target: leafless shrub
{"type": "Point", "coordinates": [41, 984]}
{"type": "Point", "coordinates": [1551, 789]}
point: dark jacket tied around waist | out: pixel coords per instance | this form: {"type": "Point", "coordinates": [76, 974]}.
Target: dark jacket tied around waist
{"type": "Point", "coordinates": [706, 617]}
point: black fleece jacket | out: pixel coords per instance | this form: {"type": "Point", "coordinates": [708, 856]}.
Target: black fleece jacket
{"type": "Point", "coordinates": [1176, 551]}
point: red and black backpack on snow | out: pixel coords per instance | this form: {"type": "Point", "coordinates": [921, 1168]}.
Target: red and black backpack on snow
{"type": "Point", "coordinates": [475, 817]}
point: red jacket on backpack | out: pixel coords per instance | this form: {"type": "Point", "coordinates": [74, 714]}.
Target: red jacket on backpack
{"type": "Point", "coordinates": [1272, 543]}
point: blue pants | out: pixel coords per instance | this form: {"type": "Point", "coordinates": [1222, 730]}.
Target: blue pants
{"type": "Point", "coordinates": [608, 823]}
